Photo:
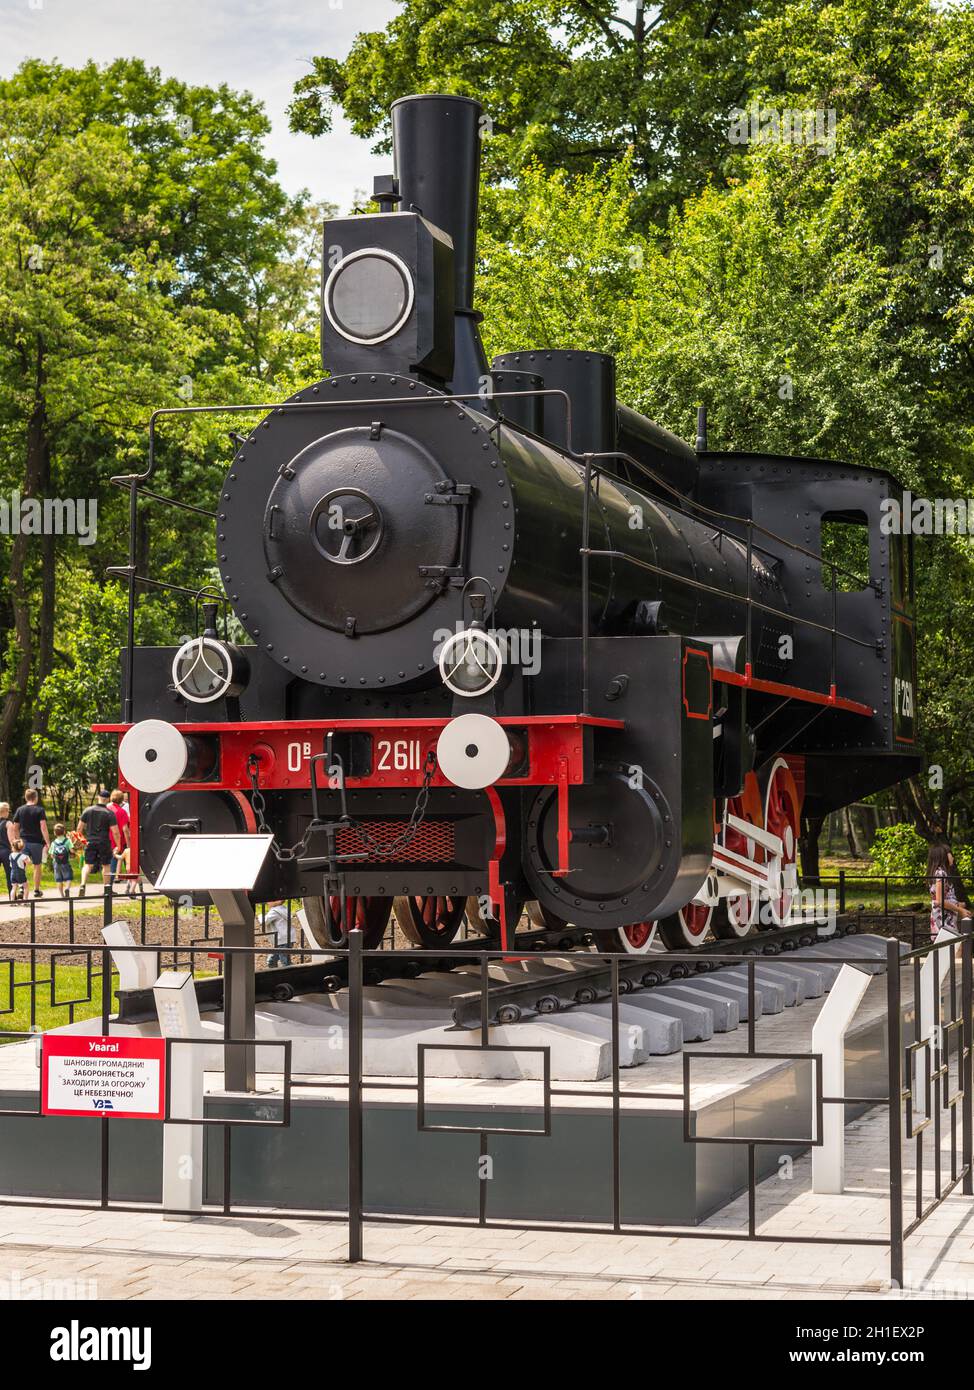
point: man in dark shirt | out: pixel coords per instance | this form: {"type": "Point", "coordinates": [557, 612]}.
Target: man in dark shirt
{"type": "Point", "coordinates": [31, 827]}
{"type": "Point", "coordinates": [100, 828]}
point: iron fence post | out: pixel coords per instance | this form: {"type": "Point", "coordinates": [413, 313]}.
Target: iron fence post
{"type": "Point", "coordinates": [616, 1106]}
{"type": "Point", "coordinates": [894, 1024]}
{"type": "Point", "coordinates": [842, 890]}
{"type": "Point", "coordinates": [885, 895]}
{"type": "Point", "coordinates": [106, 997]}
{"type": "Point", "coordinates": [33, 967]}
{"type": "Point", "coordinates": [967, 1104]}
{"type": "Point", "coordinates": [355, 1024]}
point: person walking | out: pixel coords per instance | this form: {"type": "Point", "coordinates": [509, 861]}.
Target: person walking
{"type": "Point", "coordinates": [6, 848]}
{"type": "Point", "coordinates": [62, 851]}
{"type": "Point", "coordinates": [99, 826]}
{"type": "Point", "coordinates": [278, 921]}
{"type": "Point", "coordinates": [19, 860]}
{"type": "Point", "coordinates": [121, 813]}
{"type": "Point", "coordinates": [946, 909]}
{"type": "Point", "coordinates": [30, 820]}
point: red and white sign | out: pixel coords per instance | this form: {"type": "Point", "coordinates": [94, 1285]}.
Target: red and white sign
{"type": "Point", "coordinates": [85, 1075]}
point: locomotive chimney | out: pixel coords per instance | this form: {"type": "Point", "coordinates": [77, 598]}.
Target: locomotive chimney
{"type": "Point", "coordinates": [436, 149]}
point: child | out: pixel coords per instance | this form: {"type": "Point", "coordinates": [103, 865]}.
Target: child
{"type": "Point", "coordinates": [61, 852]}
{"type": "Point", "coordinates": [277, 920]}
{"type": "Point", "coordinates": [19, 862]}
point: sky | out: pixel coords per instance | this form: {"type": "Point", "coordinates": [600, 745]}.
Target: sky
{"type": "Point", "coordinates": [263, 46]}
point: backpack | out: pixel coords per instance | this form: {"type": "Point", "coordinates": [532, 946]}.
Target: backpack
{"type": "Point", "coordinates": [61, 854]}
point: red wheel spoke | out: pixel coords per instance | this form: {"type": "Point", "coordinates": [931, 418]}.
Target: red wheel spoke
{"type": "Point", "coordinates": [638, 934]}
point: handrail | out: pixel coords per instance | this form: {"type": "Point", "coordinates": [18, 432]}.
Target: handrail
{"type": "Point", "coordinates": [733, 598]}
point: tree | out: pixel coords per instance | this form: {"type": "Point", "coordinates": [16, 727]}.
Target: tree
{"type": "Point", "coordinates": [147, 257]}
{"type": "Point", "coordinates": [816, 305]}
{"type": "Point", "coordinates": [82, 689]}
{"type": "Point", "coordinates": [570, 84]}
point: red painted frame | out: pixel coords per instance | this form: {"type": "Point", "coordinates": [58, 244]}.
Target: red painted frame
{"type": "Point", "coordinates": [793, 692]}
{"type": "Point", "coordinates": [692, 713]}
{"type": "Point", "coordinates": [555, 742]}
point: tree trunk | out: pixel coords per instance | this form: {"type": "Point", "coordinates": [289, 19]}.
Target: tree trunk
{"type": "Point", "coordinates": [811, 829]}
{"type": "Point", "coordinates": [45, 633]}
{"type": "Point", "coordinates": [925, 815]}
{"type": "Point", "coordinates": [36, 474]}
{"type": "Point", "coordinates": [850, 833]}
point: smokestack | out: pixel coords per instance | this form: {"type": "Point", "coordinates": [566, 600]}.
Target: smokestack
{"type": "Point", "coordinates": [436, 149]}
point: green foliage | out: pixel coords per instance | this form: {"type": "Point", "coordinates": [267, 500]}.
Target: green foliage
{"type": "Point", "coordinates": [568, 83]}
{"type": "Point", "coordinates": [83, 688]}
{"type": "Point", "coordinates": [148, 258]}
{"type": "Point", "coordinates": [816, 305]}
{"type": "Point", "coordinates": [899, 849]}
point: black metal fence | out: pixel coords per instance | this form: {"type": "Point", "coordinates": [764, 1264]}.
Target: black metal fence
{"type": "Point", "coordinates": [896, 892]}
{"type": "Point", "coordinates": [928, 1096]}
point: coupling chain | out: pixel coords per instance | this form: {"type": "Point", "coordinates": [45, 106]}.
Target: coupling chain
{"type": "Point", "coordinates": [286, 853]}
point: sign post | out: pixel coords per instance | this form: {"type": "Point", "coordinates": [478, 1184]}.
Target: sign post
{"type": "Point", "coordinates": [226, 867]}
{"type": "Point", "coordinates": [182, 1144]}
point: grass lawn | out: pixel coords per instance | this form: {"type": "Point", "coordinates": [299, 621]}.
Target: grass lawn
{"type": "Point", "coordinates": [70, 982]}
{"type": "Point", "coordinates": [864, 886]}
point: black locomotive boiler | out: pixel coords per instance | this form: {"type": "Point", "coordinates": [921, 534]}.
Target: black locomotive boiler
{"type": "Point", "coordinates": [512, 642]}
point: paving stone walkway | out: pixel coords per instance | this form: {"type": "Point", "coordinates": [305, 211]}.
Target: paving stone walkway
{"type": "Point", "coordinates": [46, 1252]}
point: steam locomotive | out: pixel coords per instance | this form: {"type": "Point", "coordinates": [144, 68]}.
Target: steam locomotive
{"type": "Point", "coordinates": [512, 643]}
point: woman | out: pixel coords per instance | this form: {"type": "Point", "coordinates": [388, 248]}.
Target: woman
{"type": "Point", "coordinates": [946, 909]}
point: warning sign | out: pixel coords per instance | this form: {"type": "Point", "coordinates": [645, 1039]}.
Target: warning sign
{"type": "Point", "coordinates": [103, 1076]}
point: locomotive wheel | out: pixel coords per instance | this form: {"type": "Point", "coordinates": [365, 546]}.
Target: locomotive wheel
{"type": "Point", "coordinates": [635, 940]}
{"type": "Point", "coordinates": [430, 921]}
{"type": "Point", "coordinates": [542, 920]}
{"type": "Point", "coordinates": [781, 818]}
{"type": "Point", "coordinates": [370, 915]}
{"type": "Point", "coordinates": [490, 926]}
{"type": "Point", "coordinates": [686, 929]}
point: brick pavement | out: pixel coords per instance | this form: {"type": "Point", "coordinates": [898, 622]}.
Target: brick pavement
{"type": "Point", "coordinates": [121, 1255]}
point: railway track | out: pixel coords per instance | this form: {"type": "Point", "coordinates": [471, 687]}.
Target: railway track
{"type": "Point", "coordinates": [589, 979]}
{"type": "Point", "coordinates": [585, 980]}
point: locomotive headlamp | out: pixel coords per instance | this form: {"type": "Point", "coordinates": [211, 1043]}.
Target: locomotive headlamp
{"type": "Point", "coordinates": [369, 296]}
{"type": "Point", "coordinates": [388, 296]}
{"type": "Point", "coordinates": [471, 662]}
{"type": "Point", "coordinates": [205, 669]}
